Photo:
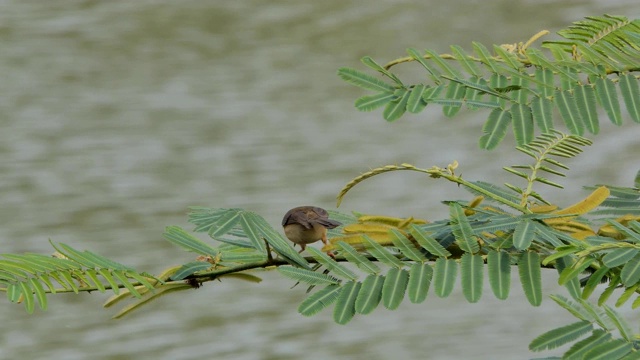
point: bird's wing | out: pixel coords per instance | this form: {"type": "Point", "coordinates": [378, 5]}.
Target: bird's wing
{"type": "Point", "coordinates": [309, 215]}
{"type": "Point", "coordinates": [297, 216]}
{"type": "Point", "coordinates": [321, 216]}
{"type": "Point", "coordinates": [328, 223]}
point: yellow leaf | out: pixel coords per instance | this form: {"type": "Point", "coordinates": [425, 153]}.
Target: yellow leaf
{"type": "Point", "coordinates": [587, 204]}
{"type": "Point", "coordinates": [543, 209]}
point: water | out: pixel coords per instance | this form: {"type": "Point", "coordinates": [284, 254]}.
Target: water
{"type": "Point", "coordinates": [117, 116]}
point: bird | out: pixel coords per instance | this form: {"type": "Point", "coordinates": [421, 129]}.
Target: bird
{"type": "Point", "coordinates": [307, 224]}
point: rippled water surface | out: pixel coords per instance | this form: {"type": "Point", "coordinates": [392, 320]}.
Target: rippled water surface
{"type": "Point", "coordinates": [117, 115]}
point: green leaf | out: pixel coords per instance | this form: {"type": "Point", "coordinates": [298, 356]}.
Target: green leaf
{"type": "Point", "coordinates": [613, 349]}
{"type": "Point", "coordinates": [608, 98]}
{"type": "Point", "coordinates": [27, 297]}
{"type": "Point", "coordinates": [180, 237]}
{"type": "Point", "coordinates": [70, 281]}
{"type": "Point", "coordinates": [432, 93]}
{"type": "Point", "coordinates": [594, 280]}
{"type": "Point", "coordinates": [573, 285]}
{"type": "Point", "coordinates": [631, 95]}
{"type": "Point", "coordinates": [475, 88]}
{"type": "Point", "coordinates": [405, 246]}
{"type": "Point", "coordinates": [420, 276]}
{"type": "Point", "coordinates": [542, 112]}
{"type": "Point", "coordinates": [122, 276]}
{"type": "Point", "coordinates": [529, 269]}
{"type": "Point", "coordinates": [345, 307]}
{"type": "Point", "coordinates": [368, 61]}
{"type": "Point", "coordinates": [537, 58]}
{"type": "Point", "coordinates": [319, 300]}
{"type": "Point", "coordinates": [394, 288]}
{"type": "Point", "coordinates": [547, 234]}
{"type": "Point", "coordinates": [495, 128]}
{"type": "Point", "coordinates": [363, 80]}
{"type": "Point", "coordinates": [569, 112]}
{"type": "Point", "coordinates": [631, 235]}
{"type": "Point", "coordinates": [545, 81]}
{"type": "Point", "coordinates": [372, 102]}
{"type": "Point", "coordinates": [225, 223]}
{"type": "Point", "coordinates": [579, 349]}
{"type": "Point", "coordinates": [15, 269]}
{"type": "Point", "coordinates": [91, 273]}
{"type": "Point", "coordinates": [575, 310]}
{"type": "Point", "coordinates": [415, 103]}
{"type": "Point", "coordinates": [107, 276]}
{"type": "Point", "coordinates": [433, 72]}
{"type": "Point", "coordinates": [358, 259]}
{"type": "Point", "coordinates": [518, 84]}
{"type": "Point", "coordinates": [620, 323]}
{"type": "Point", "coordinates": [473, 104]}
{"type": "Point", "coordinates": [144, 279]}
{"type": "Point", "coordinates": [39, 292]}
{"type": "Point", "coordinates": [380, 253]}
{"type": "Point", "coordinates": [307, 276]}
{"type": "Point", "coordinates": [446, 69]}
{"type": "Point", "coordinates": [455, 91]}
{"type": "Point", "coordinates": [13, 292]}
{"type": "Point", "coordinates": [567, 83]}
{"type": "Point", "coordinates": [462, 229]}
{"type": "Point", "coordinates": [239, 254]}
{"type": "Point", "coordinates": [252, 231]}
{"type": "Point", "coordinates": [596, 57]}
{"type": "Point", "coordinates": [560, 336]}
{"type": "Point", "coordinates": [370, 294]}
{"type": "Point", "coordinates": [205, 218]}
{"type": "Point", "coordinates": [626, 295]}
{"type": "Point", "coordinates": [516, 172]}
{"type": "Point", "coordinates": [499, 266]}
{"type": "Point", "coordinates": [485, 57]}
{"type": "Point", "coordinates": [87, 258]}
{"type": "Point", "coordinates": [630, 273]}
{"type": "Point", "coordinates": [572, 271]}
{"type": "Point", "coordinates": [334, 267]}
{"type": "Point", "coordinates": [444, 276]}
{"type": "Point", "coordinates": [39, 263]}
{"type": "Point", "coordinates": [396, 108]}
{"type": "Point", "coordinates": [585, 97]}
{"type": "Point", "coordinates": [613, 284]}
{"type": "Point", "coordinates": [189, 269]}
{"type": "Point", "coordinates": [523, 234]}
{"type": "Point", "coordinates": [522, 123]}
{"type": "Point", "coordinates": [618, 257]}
{"type": "Point", "coordinates": [427, 242]}
{"type": "Point", "coordinates": [57, 276]}
{"type": "Point", "coordinates": [471, 271]}
{"type": "Point", "coordinates": [467, 64]}
{"type": "Point", "coordinates": [500, 83]}
{"type": "Point", "coordinates": [510, 59]}
{"type": "Point", "coordinates": [497, 192]}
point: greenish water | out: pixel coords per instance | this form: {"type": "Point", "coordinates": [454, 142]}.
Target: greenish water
{"type": "Point", "coordinates": [117, 115]}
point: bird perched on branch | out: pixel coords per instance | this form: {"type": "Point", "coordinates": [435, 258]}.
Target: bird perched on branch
{"type": "Point", "coordinates": [307, 224]}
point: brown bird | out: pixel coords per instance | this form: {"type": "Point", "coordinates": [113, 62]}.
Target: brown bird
{"type": "Point", "coordinates": [307, 224]}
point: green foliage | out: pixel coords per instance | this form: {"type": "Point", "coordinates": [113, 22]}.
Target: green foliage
{"type": "Point", "coordinates": [471, 270]}
{"type": "Point", "coordinates": [27, 278]}
{"type": "Point", "coordinates": [603, 343]}
{"type": "Point", "coordinates": [499, 266]}
{"type": "Point", "coordinates": [373, 260]}
{"type": "Point", "coordinates": [521, 84]}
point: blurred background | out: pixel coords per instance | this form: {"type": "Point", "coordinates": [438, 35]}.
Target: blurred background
{"type": "Point", "coordinates": [118, 115]}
